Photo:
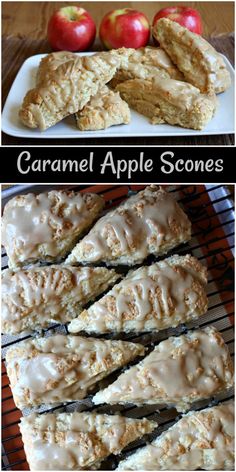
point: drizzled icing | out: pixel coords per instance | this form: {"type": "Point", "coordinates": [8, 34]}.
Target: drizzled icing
{"type": "Point", "coordinates": [69, 88]}
{"type": "Point", "coordinates": [45, 220]}
{"type": "Point", "coordinates": [150, 56]}
{"type": "Point", "coordinates": [199, 441]}
{"type": "Point", "coordinates": [51, 62]}
{"type": "Point", "coordinates": [64, 441]}
{"type": "Point", "coordinates": [146, 62]}
{"type": "Point", "coordinates": [176, 92]}
{"type": "Point", "coordinates": [155, 297]}
{"type": "Point", "coordinates": [98, 100]}
{"type": "Point", "coordinates": [148, 223]}
{"type": "Point", "coordinates": [199, 363]}
{"type": "Point", "coordinates": [62, 368]}
{"type": "Point", "coordinates": [106, 105]}
{"type": "Point", "coordinates": [193, 55]}
{"type": "Point", "coordinates": [39, 296]}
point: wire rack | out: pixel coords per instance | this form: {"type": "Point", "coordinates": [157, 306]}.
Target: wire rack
{"type": "Point", "coordinates": [211, 211]}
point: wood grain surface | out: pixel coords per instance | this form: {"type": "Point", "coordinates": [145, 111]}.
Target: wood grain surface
{"type": "Point", "coordinates": [24, 34]}
{"type": "Point", "coordinates": [30, 18]}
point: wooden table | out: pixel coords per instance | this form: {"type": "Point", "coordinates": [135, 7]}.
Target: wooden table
{"type": "Point", "coordinates": [24, 34]}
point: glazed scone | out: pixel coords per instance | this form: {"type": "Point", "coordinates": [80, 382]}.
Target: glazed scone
{"type": "Point", "coordinates": [202, 440]}
{"type": "Point", "coordinates": [45, 227]}
{"type": "Point", "coordinates": [153, 298]}
{"type": "Point", "coordinates": [180, 371]}
{"type": "Point", "coordinates": [105, 109]}
{"type": "Point", "coordinates": [144, 63]}
{"type": "Point", "coordinates": [165, 100]}
{"type": "Point", "coordinates": [63, 368]}
{"type": "Point", "coordinates": [34, 298]}
{"type": "Point", "coordinates": [150, 222]}
{"type": "Point", "coordinates": [199, 62]}
{"type": "Point", "coordinates": [69, 88]}
{"type": "Point", "coordinates": [75, 441]}
{"type": "Point", "coordinates": [50, 63]}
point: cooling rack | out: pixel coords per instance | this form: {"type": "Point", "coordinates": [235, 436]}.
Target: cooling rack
{"type": "Point", "coordinates": [211, 211]}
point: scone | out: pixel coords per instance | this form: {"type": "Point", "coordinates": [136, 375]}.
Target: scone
{"type": "Point", "coordinates": [105, 109]}
{"type": "Point", "coordinates": [152, 298]}
{"type": "Point", "coordinates": [63, 368]}
{"type": "Point", "coordinates": [180, 371]}
{"type": "Point", "coordinates": [165, 100]}
{"type": "Point", "coordinates": [35, 298]}
{"type": "Point", "coordinates": [69, 88]}
{"type": "Point", "coordinates": [201, 440]}
{"type": "Point", "coordinates": [199, 62]}
{"type": "Point", "coordinates": [45, 227]}
{"type": "Point", "coordinates": [77, 441]}
{"type": "Point", "coordinates": [150, 222]}
{"type": "Point", "coordinates": [50, 63]}
{"type": "Point", "coordinates": [144, 63]}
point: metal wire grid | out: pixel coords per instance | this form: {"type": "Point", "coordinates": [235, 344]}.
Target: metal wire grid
{"type": "Point", "coordinates": [211, 210]}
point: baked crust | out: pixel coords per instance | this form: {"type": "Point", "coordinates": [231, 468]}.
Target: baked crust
{"type": "Point", "coordinates": [70, 88]}
{"type": "Point", "coordinates": [35, 298]}
{"type": "Point", "coordinates": [153, 298]}
{"type": "Point", "coordinates": [45, 227]}
{"type": "Point", "coordinates": [75, 441]}
{"type": "Point", "coordinates": [50, 63]}
{"type": "Point", "coordinates": [202, 440]}
{"type": "Point", "coordinates": [150, 222]}
{"type": "Point", "coordinates": [63, 368]}
{"type": "Point", "coordinates": [144, 63]}
{"type": "Point", "coordinates": [165, 100]}
{"type": "Point", "coordinates": [105, 109]}
{"type": "Point", "coordinates": [180, 371]}
{"type": "Point", "coordinates": [200, 63]}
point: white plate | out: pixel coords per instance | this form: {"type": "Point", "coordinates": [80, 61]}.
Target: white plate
{"type": "Point", "coordinates": [222, 123]}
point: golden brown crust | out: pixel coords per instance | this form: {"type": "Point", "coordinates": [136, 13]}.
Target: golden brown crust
{"type": "Point", "coordinates": [200, 63]}
{"type": "Point", "coordinates": [151, 222]}
{"type": "Point", "coordinates": [105, 109]}
{"type": "Point", "coordinates": [37, 297]}
{"type": "Point", "coordinates": [145, 63]}
{"type": "Point", "coordinates": [69, 88]}
{"type": "Point", "coordinates": [63, 368]}
{"type": "Point", "coordinates": [77, 440]}
{"type": "Point", "coordinates": [46, 226]}
{"type": "Point", "coordinates": [50, 63]}
{"type": "Point", "coordinates": [165, 100]}
{"type": "Point", "coordinates": [151, 298]}
{"type": "Point", "coordinates": [202, 440]}
{"type": "Point", "coordinates": [199, 362]}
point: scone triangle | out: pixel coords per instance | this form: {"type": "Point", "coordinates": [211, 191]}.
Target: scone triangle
{"type": "Point", "coordinates": [150, 222]}
{"type": "Point", "coordinates": [152, 298]}
{"type": "Point", "coordinates": [75, 441]}
{"type": "Point", "coordinates": [199, 62]}
{"type": "Point", "coordinates": [45, 227]}
{"type": "Point", "coordinates": [63, 368]}
{"type": "Point", "coordinates": [105, 109]}
{"type": "Point", "coordinates": [178, 372]}
{"type": "Point", "coordinates": [43, 295]}
{"type": "Point", "coordinates": [202, 440]}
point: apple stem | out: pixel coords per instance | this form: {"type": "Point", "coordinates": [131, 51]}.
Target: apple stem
{"type": "Point", "coordinates": [70, 12]}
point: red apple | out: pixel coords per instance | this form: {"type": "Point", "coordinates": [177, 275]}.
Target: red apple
{"type": "Point", "coordinates": [124, 28]}
{"type": "Point", "coordinates": [185, 16]}
{"type": "Point", "coordinates": [71, 29]}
